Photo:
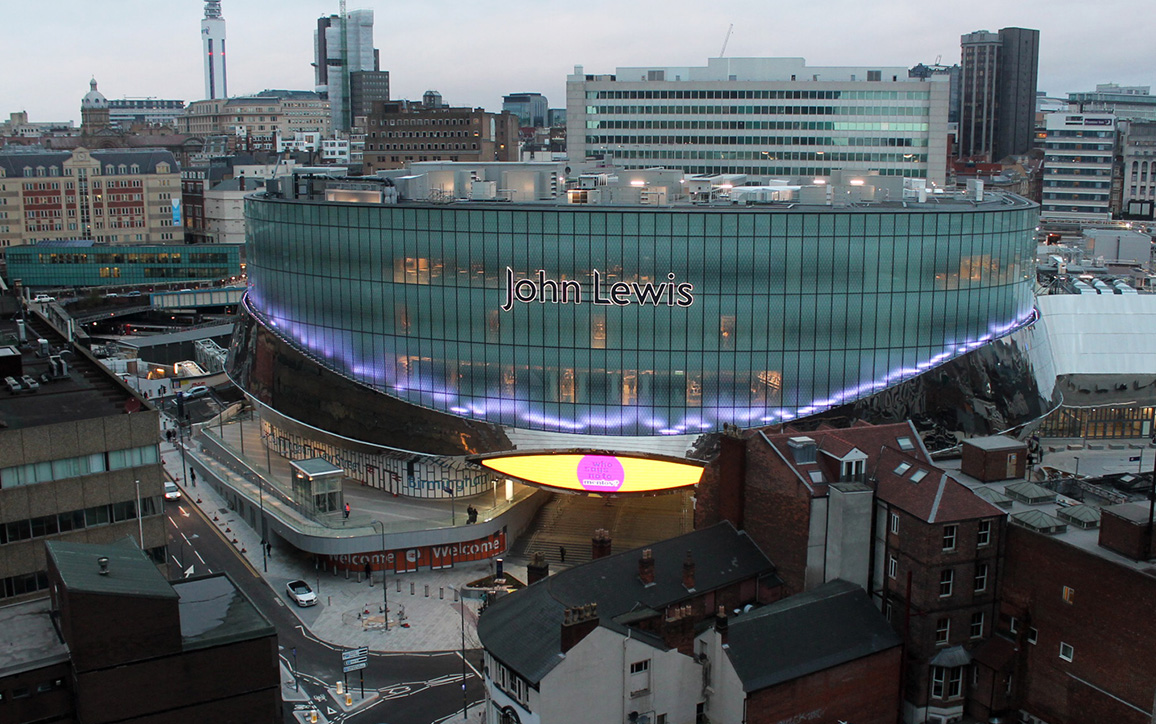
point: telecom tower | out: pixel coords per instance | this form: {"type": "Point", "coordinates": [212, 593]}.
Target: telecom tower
{"type": "Point", "coordinates": [213, 40]}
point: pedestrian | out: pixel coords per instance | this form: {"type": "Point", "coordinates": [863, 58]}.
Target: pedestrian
{"type": "Point", "coordinates": [369, 572]}
{"type": "Point", "coordinates": [562, 553]}
{"type": "Point", "coordinates": [193, 476]}
{"type": "Point", "coordinates": [347, 515]}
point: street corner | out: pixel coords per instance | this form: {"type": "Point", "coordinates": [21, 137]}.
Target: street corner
{"type": "Point", "coordinates": [368, 617]}
{"type": "Point", "coordinates": [290, 687]}
{"type": "Point", "coordinates": [307, 713]}
{"type": "Point", "coordinates": [351, 699]}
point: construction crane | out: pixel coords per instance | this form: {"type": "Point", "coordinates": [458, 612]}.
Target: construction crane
{"type": "Point", "coordinates": [722, 53]}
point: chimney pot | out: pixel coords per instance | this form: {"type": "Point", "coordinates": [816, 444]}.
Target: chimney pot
{"type": "Point", "coordinates": [646, 567]}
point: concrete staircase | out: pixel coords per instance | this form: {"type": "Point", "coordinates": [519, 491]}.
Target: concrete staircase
{"type": "Point", "coordinates": [569, 521]}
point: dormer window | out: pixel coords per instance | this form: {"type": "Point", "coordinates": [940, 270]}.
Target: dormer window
{"type": "Point", "coordinates": [135, 169]}
{"type": "Point", "coordinates": [109, 170]}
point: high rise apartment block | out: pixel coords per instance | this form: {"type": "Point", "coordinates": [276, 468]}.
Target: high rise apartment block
{"type": "Point", "coordinates": [762, 117]}
{"type": "Point", "coordinates": [997, 113]}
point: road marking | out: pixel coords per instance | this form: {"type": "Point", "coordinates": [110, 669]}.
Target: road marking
{"type": "Point", "coordinates": [184, 512]}
{"type": "Point", "coordinates": [221, 534]}
{"type": "Point", "coordinates": [476, 672]}
{"type": "Point", "coordinates": [177, 561]}
{"type": "Point", "coordinates": [189, 571]}
{"type": "Point", "coordinates": [202, 560]}
{"type": "Point", "coordinates": [188, 541]}
{"type": "Point", "coordinates": [172, 521]}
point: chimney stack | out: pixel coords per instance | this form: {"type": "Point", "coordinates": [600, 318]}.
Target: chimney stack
{"type": "Point", "coordinates": [720, 623]}
{"type": "Point", "coordinates": [646, 567]}
{"type": "Point", "coordinates": [600, 544]}
{"type": "Point", "coordinates": [538, 568]}
{"type": "Point", "coordinates": [576, 623]}
{"type": "Point", "coordinates": [678, 628]}
{"type": "Point", "coordinates": [688, 572]}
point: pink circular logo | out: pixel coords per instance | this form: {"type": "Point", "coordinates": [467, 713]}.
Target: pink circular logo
{"type": "Point", "coordinates": [600, 473]}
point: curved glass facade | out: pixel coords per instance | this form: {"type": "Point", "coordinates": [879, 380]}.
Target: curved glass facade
{"type": "Point", "coordinates": [491, 312]}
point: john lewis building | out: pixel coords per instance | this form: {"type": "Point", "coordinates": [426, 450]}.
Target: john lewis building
{"type": "Point", "coordinates": [444, 330]}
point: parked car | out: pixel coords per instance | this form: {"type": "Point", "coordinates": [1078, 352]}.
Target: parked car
{"type": "Point", "coordinates": [133, 293]}
{"type": "Point", "coordinates": [39, 298]}
{"type": "Point", "coordinates": [111, 295]}
{"type": "Point", "coordinates": [301, 593]}
{"type": "Point", "coordinates": [172, 492]}
{"type": "Point", "coordinates": [194, 392]}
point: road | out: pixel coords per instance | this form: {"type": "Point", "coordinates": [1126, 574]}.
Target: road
{"type": "Point", "coordinates": [412, 688]}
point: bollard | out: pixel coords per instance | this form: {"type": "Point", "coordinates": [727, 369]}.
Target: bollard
{"type": "Point", "coordinates": [340, 688]}
{"type": "Point", "coordinates": [313, 717]}
{"type": "Point", "coordinates": [399, 585]}
{"type": "Point", "coordinates": [441, 593]}
{"type": "Point", "coordinates": [427, 590]}
{"type": "Point", "coordinates": [348, 699]}
{"type": "Point", "coordinates": [455, 596]}
{"type": "Point", "coordinates": [411, 588]}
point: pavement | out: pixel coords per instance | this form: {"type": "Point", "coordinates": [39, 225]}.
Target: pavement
{"type": "Point", "coordinates": [426, 613]}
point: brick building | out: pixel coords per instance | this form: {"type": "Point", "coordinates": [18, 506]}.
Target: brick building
{"type": "Point", "coordinates": [1076, 633]}
{"type": "Point", "coordinates": [689, 629]}
{"type": "Point", "coordinates": [865, 504]}
{"type": "Point", "coordinates": [936, 567]}
{"type": "Point", "coordinates": [403, 131]}
{"type": "Point", "coordinates": [116, 642]}
{"type": "Point", "coordinates": [113, 195]}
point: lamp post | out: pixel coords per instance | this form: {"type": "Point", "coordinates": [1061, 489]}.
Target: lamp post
{"type": "Point", "coordinates": [462, 609]}
{"type": "Point", "coordinates": [384, 588]}
{"type": "Point", "coordinates": [264, 530]}
{"type": "Point", "coordinates": [453, 505]}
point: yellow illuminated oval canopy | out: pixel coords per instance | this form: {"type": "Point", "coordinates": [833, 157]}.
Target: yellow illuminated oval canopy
{"type": "Point", "coordinates": [597, 472]}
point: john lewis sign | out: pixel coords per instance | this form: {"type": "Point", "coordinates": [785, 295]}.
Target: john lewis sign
{"type": "Point", "coordinates": [539, 288]}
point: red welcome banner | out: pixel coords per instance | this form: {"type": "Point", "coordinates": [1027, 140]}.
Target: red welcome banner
{"type": "Point", "coordinates": [406, 560]}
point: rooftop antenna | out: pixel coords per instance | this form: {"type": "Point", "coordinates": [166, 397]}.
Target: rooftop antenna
{"type": "Point", "coordinates": [722, 53]}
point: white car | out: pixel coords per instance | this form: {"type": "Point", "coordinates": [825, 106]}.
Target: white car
{"type": "Point", "coordinates": [40, 298]}
{"type": "Point", "coordinates": [172, 492]}
{"type": "Point", "coordinates": [301, 593]}
{"type": "Point", "coordinates": [194, 392]}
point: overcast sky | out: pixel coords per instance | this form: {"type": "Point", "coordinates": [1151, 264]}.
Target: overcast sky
{"type": "Point", "coordinates": [475, 51]}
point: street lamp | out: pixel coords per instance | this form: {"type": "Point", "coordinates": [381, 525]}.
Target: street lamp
{"type": "Point", "coordinates": [462, 608]}
{"type": "Point", "coordinates": [384, 588]}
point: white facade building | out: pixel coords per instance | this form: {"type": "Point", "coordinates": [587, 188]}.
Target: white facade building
{"type": "Point", "coordinates": [762, 117]}
{"type": "Point", "coordinates": [1078, 155]}
{"type": "Point", "coordinates": [213, 51]}
{"type": "Point", "coordinates": [1139, 141]}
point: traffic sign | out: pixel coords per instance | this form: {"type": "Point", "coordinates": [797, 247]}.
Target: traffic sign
{"type": "Point", "coordinates": [353, 667]}
{"type": "Point", "coordinates": [354, 653]}
{"type": "Point", "coordinates": [1134, 459]}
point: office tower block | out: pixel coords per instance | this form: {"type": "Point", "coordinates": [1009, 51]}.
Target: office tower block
{"type": "Point", "coordinates": [997, 114]}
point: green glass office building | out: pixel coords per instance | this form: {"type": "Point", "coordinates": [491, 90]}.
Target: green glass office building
{"type": "Point", "coordinates": [86, 264]}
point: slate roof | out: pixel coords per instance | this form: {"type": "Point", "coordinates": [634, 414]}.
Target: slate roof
{"type": "Point", "coordinates": [936, 498]}
{"type": "Point", "coordinates": [14, 161]}
{"type": "Point", "coordinates": [523, 629]}
{"type": "Point", "coordinates": [824, 627]}
{"type": "Point", "coordinates": [870, 439]}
